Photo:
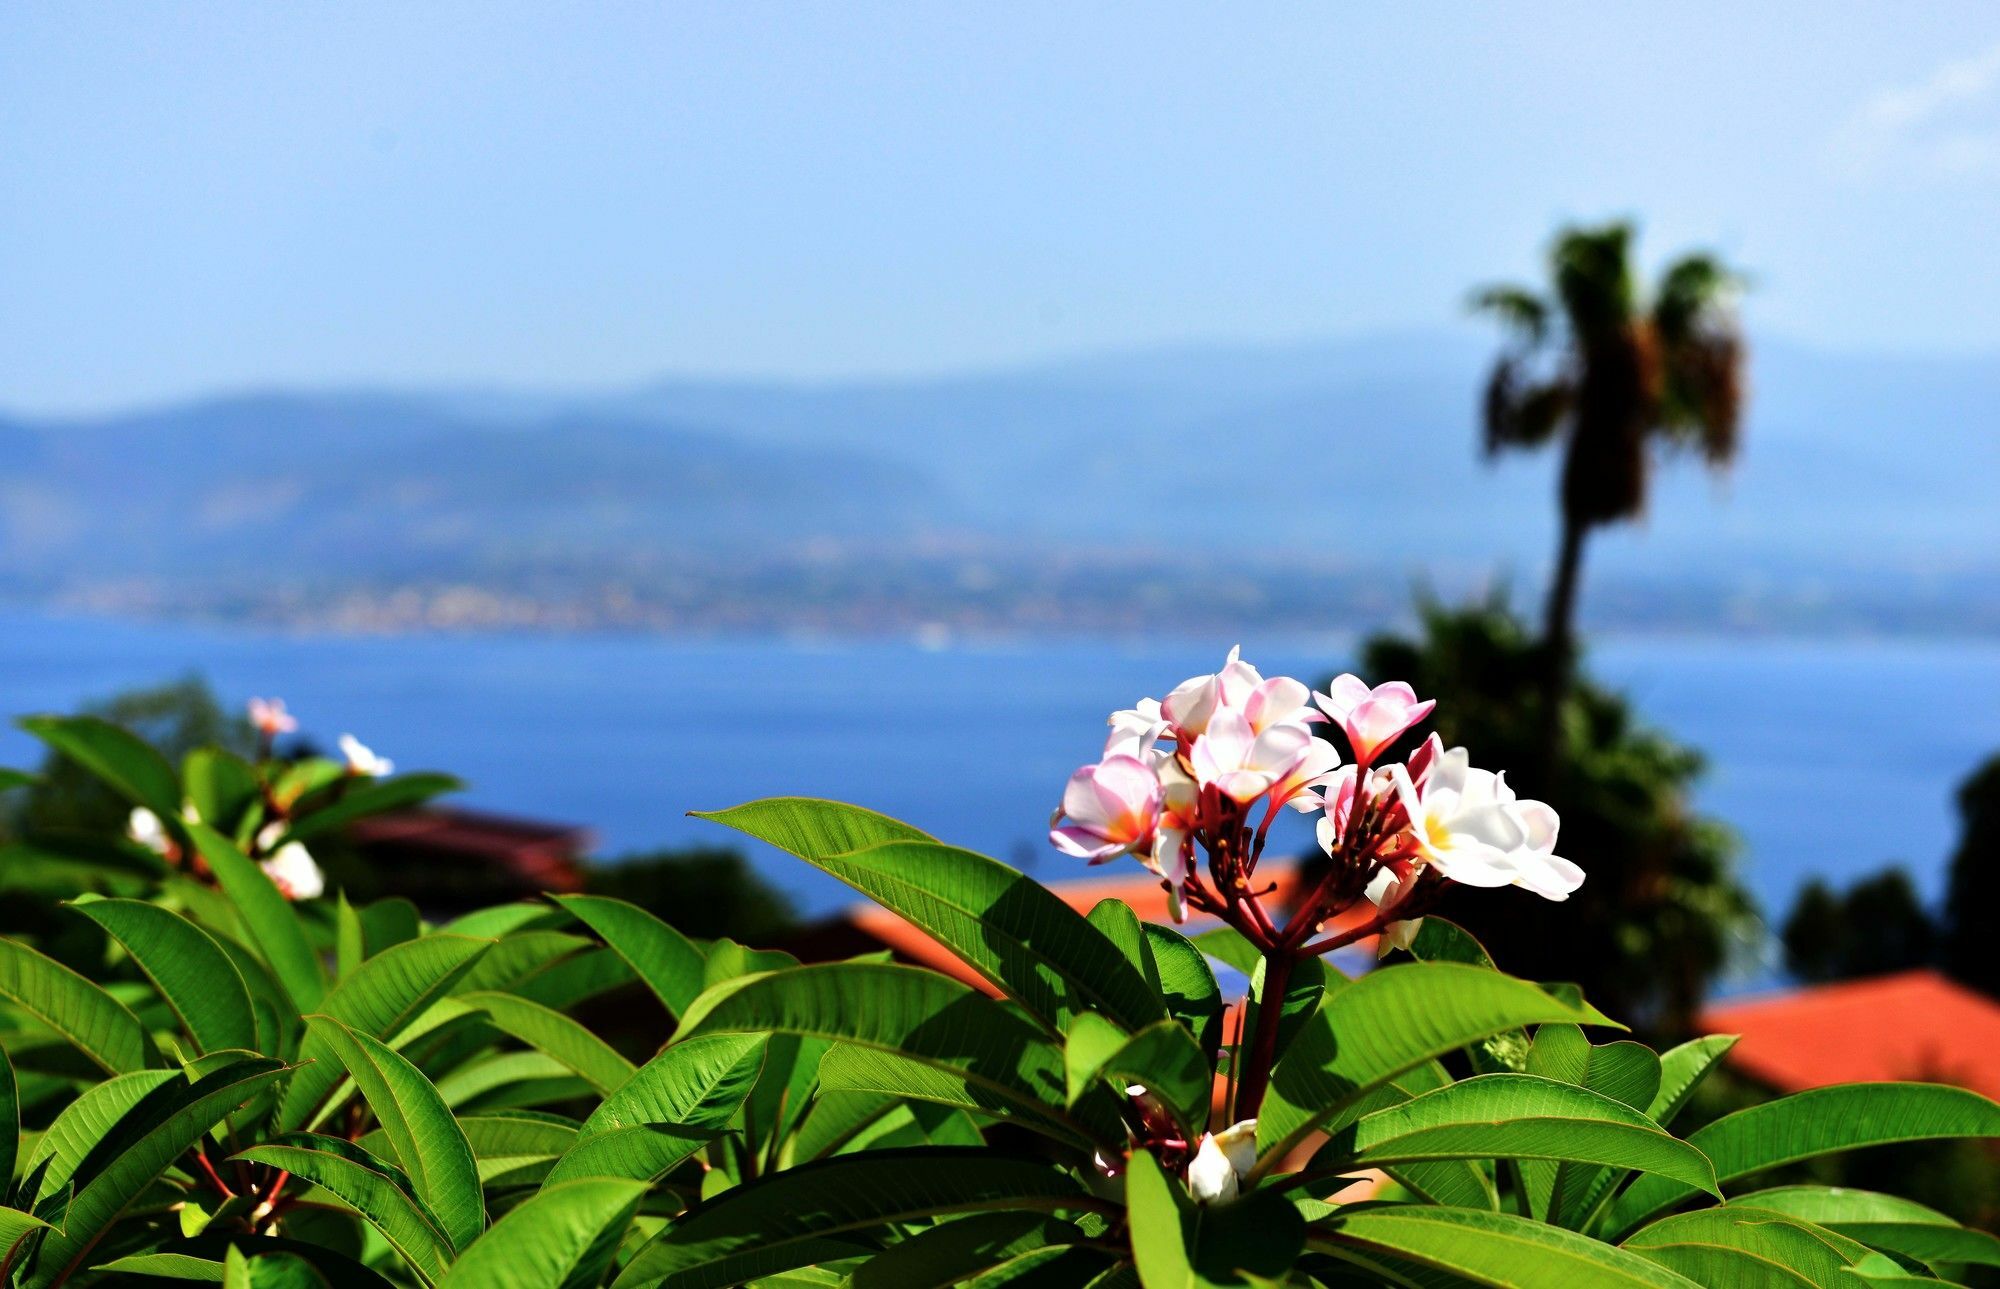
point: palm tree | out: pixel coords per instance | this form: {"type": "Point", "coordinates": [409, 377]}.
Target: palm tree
{"type": "Point", "coordinates": [1593, 364]}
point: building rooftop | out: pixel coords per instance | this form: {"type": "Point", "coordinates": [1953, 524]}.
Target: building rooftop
{"type": "Point", "coordinates": [1912, 1025]}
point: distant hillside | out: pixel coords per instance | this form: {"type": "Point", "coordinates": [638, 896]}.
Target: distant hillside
{"type": "Point", "coordinates": [1357, 455]}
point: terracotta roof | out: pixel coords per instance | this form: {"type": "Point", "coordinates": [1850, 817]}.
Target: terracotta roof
{"type": "Point", "coordinates": [1139, 890]}
{"type": "Point", "coordinates": [1914, 1025]}
{"type": "Point", "coordinates": [543, 855]}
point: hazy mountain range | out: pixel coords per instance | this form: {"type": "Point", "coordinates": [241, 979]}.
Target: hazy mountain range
{"type": "Point", "coordinates": [1864, 475]}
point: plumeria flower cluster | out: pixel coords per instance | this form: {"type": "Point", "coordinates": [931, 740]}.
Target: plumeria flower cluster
{"type": "Point", "coordinates": [1190, 785]}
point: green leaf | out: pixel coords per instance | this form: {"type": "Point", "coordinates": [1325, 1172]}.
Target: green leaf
{"type": "Point", "coordinates": [937, 1025]}
{"type": "Point", "coordinates": [1688, 1243]}
{"type": "Point", "coordinates": [1003, 924]}
{"type": "Point", "coordinates": [1896, 1226]}
{"type": "Point", "coordinates": [197, 1260]}
{"type": "Point", "coordinates": [98, 1025]}
{"type": "Point", "coordinates": [1499, 1249]}
{"type": "Point", "coordinates": [1161, 1056]}
{"type": "Point", "coordinates": [519, 954]}
{"type": "Point", "coordinates": [85, 1122]}
{"type": "Point", "coordinates": [955, 1251]}
{"type": "Point", "coordinates": [16, 1226]}
{"type": "Point", "coordinates": [429, 1144]}
{"type": "Point", "coordinates": [374, 797]}
{"type": "Point", "coordinates": [387, 993]}
{"type": "Point", "coordinates": [1385, 1023]}
{"type": "Point", "coordinates": [546, 1241]}
{"type": "Point", "coordinates": [188, 967]}
{"type": "Point", "coordinates": [1522, 1116]}
{"type": "Point", "coordinates": [785, 1220]}
{"type": "Point", "coordinates": [1155, 1212]}
{"type": "Point", "coordinates": [1187, 985]}
{"type": "Point", "coordinates": [642, 1152]}
{"type": "Point", "coordinates": [1682, 1070]}
{"type": "Point", "coordinates": [221, 785]}
{"type": "Point", "coordinates": [381, 1193]}
{"type": "Point", "coordinates": [1626, 1072]}
{"type": "Point", "coordinates": [268, 915]}
{"type": "Point", "coordinates": [10, 1121]}
{"type": "Point", "coordinates": [1807, 1124]}
{"type": "Point", "coordinates": [137, 1151]}
{"type": "Point", "coordinates": [1178, 1244]}
{"type": "Point", "coordinates": [551, 1032]}
{"type": "Point", "coordinates": [126, 762]}
{"type": "Point", "coordinates": [672, 965]}
{"type": "Point", "coordinates": [698, 1082]}
{"type": "Point", "coordinates": [1308, 984]}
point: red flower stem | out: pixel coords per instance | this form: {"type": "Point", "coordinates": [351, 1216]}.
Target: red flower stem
{"type": "Point", "coordinates": [1264, 1041]}
{"type": "Point", "coordinates": [214, 1177]}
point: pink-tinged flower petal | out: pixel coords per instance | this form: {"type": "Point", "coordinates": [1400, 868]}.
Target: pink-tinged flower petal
{"type": "Point", "coordinates": [1341, 697]}
{"type": "Point", "coordinates": [1223, 746]}
{"type": "Point", "coordinates": [1475, 865]}
{"type": "Point", "coordinates": [1278, 699]}
{"type": "Point", "coordinates": [1126, 785]}
{"type": "Point", "coordinates": [1082, 843]}
{"type": "Point", "coordinates": [1540, 822]}
{"type": "Point", "coordinates": [1243, 786]}
{"type": "Point", "coordinates": [1423, 758]}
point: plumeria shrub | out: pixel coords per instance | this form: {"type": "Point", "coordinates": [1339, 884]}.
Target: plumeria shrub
{"type": "Point", "coordinates": [242, 1099]}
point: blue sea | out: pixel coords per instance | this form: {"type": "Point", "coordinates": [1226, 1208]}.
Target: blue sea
{"type": "Point", "coordinates": [1829, 757]}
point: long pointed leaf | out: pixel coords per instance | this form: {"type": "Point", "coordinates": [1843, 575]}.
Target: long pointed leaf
{"type": "Point", "coordinates": [1003, 924]}
{"type": "Point", "coordinates": [1499, 1249]}
{"type": "Point", "coordinates": [188, 967]}
{"type": "Point", "coordinates": [126, 762]}
{"type": "Point", "coordinates": [551, 1032]}
{"type": "Point", "coordinates": [429, 1144]}
{"type": "Point", "coordinates": [383, 996]}
{"type": "Point", "coordinates": [1385, 1023]}
{"type": "Point", "coordinates": [99, 1026]}
{"type": "Point", "coordinates": [929, 1020]}
{"type": "Point", "coordinates": [1523, 1116]}
{"type": "Point", "coordinates": [375, 1189]}
{"type": "Point", "coordinates": [672, 965]}
{"type": "Point", "coordinates": [135, 1153]}
{"type": "Point", "coordinates": [784, 1220]}
{"type": "Point", "coordinates": [547, 1239]}
{"type": "Point", "coordinates": [268, 915]}
{"type": "Point", "coordinates": [1820, 1121]}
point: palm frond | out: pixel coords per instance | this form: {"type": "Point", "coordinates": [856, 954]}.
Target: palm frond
{"type": "Point", "coordinates": [1692, 289]}
{"type": "Point", "coordinates": [1519, 410]}
{"type": "Point", "coordinates": [1592, 268]}
{"type": "Point", "coordinates": [1517, 308]}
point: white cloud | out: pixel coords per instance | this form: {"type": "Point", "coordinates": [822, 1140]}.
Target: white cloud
{"type": "Point", "coordinates": [1947, 124]}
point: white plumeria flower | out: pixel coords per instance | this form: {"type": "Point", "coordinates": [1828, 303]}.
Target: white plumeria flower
{"type": "Point", "coordinates": [271, 718]}
{"type": "Point", "coordinates": [144, 827]}
{"type": "Point", "coordinates": [1196, 700]}
{"type": "Point", "coordinates": [1135, 730]}
{"type": "Point", "coordinates": [1302, 785]}
{"type": "Point", "coordinates": [294, 873]}
{"type": "Point", "coordinates": [1243, 763]}
{"type": "Point", "coordinates": [361, 759]}
{"type": "Point", "coordinates": [1372, 718]}
{"type": "Point", "coordinates": [1384, 889]}
{"type": "Point", "coordinates": [1113, 808]}
{"type": "Point", "coordinates": [1221, 1162]}
{"type": "Point", "coordinates": [1469, 824]}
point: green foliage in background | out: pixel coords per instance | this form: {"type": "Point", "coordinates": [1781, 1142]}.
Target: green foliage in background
{"type": "Point", "coordinates": [253, 1091]}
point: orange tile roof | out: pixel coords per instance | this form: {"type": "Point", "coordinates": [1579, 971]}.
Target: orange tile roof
{"type": "Point", "coordinates": [1141, 891]}
{"type": "Point", "coordinates": [1914, 1025]}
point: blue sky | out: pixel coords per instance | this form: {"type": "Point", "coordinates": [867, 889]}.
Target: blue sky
{"type": "Point", "coordinates": [201, 197]}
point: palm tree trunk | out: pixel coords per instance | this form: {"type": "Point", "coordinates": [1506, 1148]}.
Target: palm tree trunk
{"type": "Point", "coordinates": [1559, 637]}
